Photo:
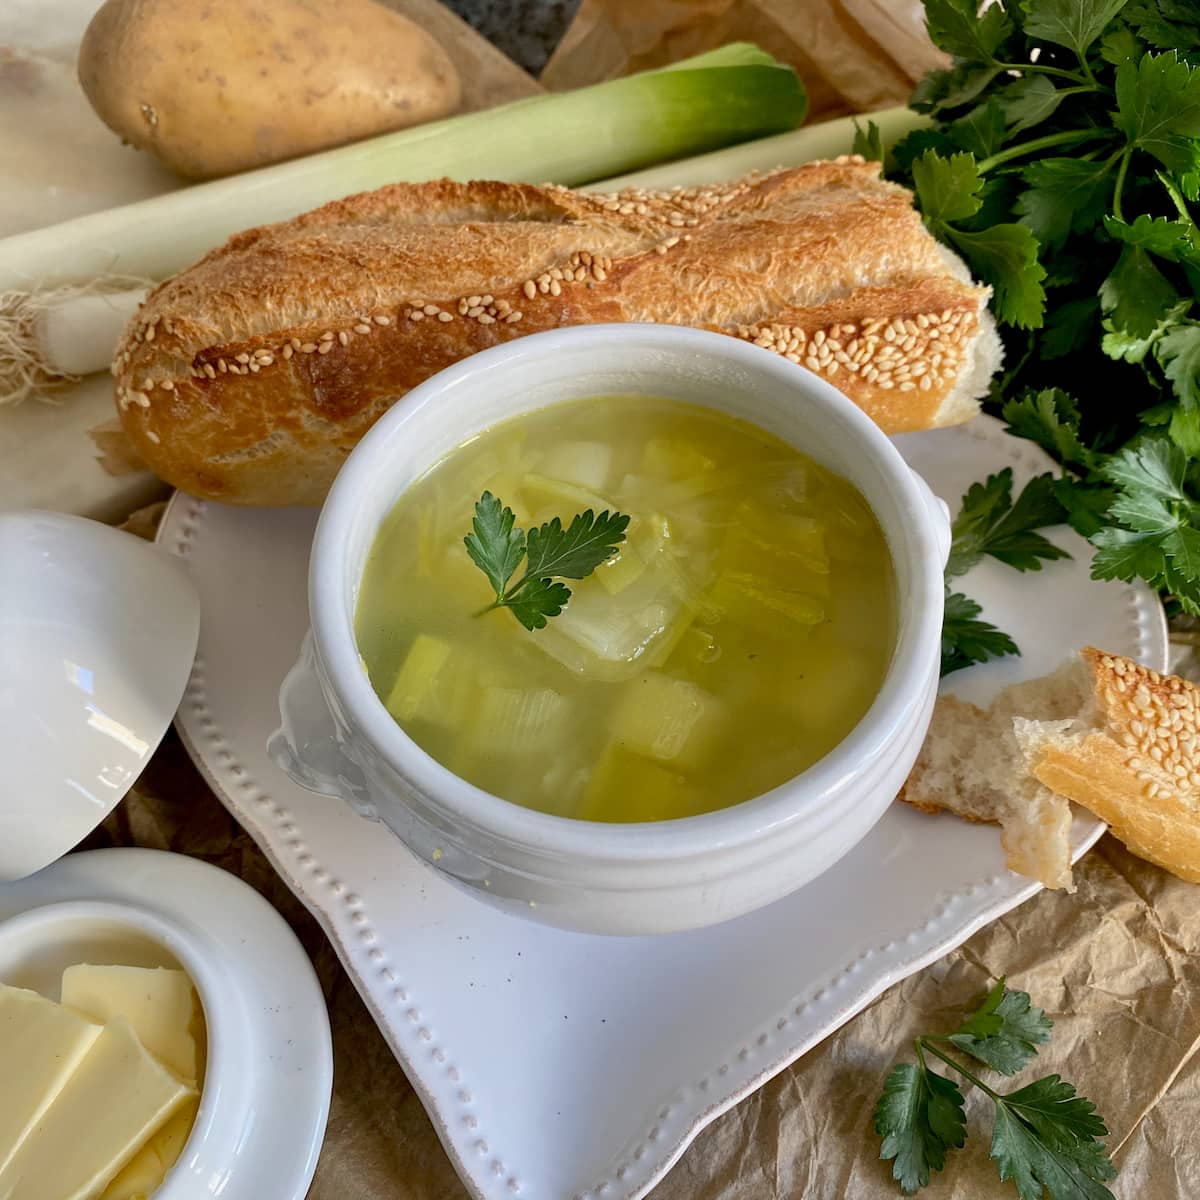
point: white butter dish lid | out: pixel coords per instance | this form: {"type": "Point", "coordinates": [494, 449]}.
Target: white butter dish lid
{"type": "Point", "coordinates": [98, 631]}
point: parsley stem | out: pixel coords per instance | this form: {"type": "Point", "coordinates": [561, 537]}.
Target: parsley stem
{"type": "Point", "coordinates": [1121, 171]}
{"type": "Point", "coordinates": [926, 1043]}
{"type": "Point", "coordinates": [1180, 207]}
{"type": "Point", "coordinates": [1039, 69]}
{"type": "Point", "coordinates": [1042, 143]}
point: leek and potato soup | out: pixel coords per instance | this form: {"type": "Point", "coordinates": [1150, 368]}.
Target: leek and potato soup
{"type": "Point", "coordinates": [741, 627]}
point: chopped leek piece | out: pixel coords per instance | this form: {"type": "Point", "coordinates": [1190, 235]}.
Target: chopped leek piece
{"type": "Point", "coordinates": [560, 498]}
{"type": "Point", "coordinates": [623, 569]}
{"type": "Point", "coordinates": [517, 720]}
{"type": "Point", "coordinates": [758, 603]}
{"type": "Point", "coordinates": [414, 686]}
{"type": "Point", "coordinates": [667, 719]}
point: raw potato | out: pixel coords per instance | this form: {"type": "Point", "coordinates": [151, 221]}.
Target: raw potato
{"type": "Point", "coordinates": [211, 87]}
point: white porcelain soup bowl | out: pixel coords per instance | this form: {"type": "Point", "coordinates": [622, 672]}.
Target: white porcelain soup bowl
{"type": "Point", "coordinates": [337, 738]}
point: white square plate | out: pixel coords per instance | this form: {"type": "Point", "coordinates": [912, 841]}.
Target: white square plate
{"type": "Point", "coordinates": [560, 1065]}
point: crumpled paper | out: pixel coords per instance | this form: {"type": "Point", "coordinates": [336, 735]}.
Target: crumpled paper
{"type": "Point", "coordinates": [853, 55]}
{"type": "Point", "coordinates": [1116, 965]}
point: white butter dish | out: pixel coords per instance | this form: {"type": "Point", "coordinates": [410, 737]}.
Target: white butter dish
{"type": "Point", "coordinates": [269, 1066]}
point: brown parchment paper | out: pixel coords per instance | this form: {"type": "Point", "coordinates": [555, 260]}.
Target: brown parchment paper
{"type": "Point", "coordinates": [1117, 964]}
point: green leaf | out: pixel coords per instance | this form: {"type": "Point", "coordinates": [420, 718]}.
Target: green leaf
{"type": "Point", "coordinates": [1167, 239]}
{"type": "Point", "coordinates": [1064, 195]}
{"type": "Point", "coordinates": [1087, 505]}
{"type": "Point", "coordinates": [1166, 25]}
{"type": "Point", "coordinates": [989, 523]}
{"type": "Point", "coordinates": [981, 131]}
{"type": "Point", "coordinates": [1047, 1139]}
{"type": "Point", "coordinates": [966, 639]}
{"type": "Point", "coordinates": [495, 546]}
{"type": "Point", "coordinates": [1119, 46]}
{"type": "Point", "coordinates": [920, 1118]}
{"type": "Point", "coordinates": [1011, 1036]}
{"type": "Point", "coordinates": [1179, 353]}
{"type": "Point", "coordinates": [1183, 548]}
{"type": "Point", "coordinates": [1154, 465]}
{"type": "Point", "coordinates": [1184, 430]}
{"type": "Point", "coordinates": [575, 552]}
{"type": "Point", "coordinates": [940, 90]}
{"type": "Point", "coordinates": [957, 27]}
{"type": "Point", "coordinates": [1158, 101]}
{"type": "Point", "coordinates": [868, 143]}
{"type": "Point", "coordinates": [1075, 24]}
{"type": "Point", "coordinates": [1122, 554]}
{"type": "Point", "coordinates": [1136, 294]}
{"type": "Point", "coordinates": [1029, 101]}
{"type": "Point", "coordinates": [534, 601]}
{"type": "Point", "coordinates": [1006, 256]}
{"type": "Point", "coordinates": [947, 188]}
{"type": "Point", "coordinates": [1051, 419]}
{"type": "Point", "coordinates": [1144, 512]}
{"type": "Point", "coordinates": [1134, 348]}
{"type": "Point", "coordinates": [1071, 326]}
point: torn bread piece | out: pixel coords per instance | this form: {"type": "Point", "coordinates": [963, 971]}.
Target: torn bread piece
{"type": "Point", "coordinates": [1131, 756]}
{"type": "Point", "coordinates": [972, 765]}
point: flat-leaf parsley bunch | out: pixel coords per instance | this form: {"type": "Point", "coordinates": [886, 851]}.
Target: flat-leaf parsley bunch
{"type": "Point", "coordinates": [1063, 164]}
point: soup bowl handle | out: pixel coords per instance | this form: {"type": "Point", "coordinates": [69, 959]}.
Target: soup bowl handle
{"type": "Point", "coordinates": [310, 744]}
{"type": "Point", "coordinates": [939, 518]}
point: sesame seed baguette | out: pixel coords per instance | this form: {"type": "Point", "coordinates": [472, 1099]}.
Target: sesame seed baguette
{"type": "Point", "coordinates": [249, 377]}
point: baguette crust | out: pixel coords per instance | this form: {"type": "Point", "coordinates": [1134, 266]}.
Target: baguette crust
{"type": "Point", "coordinates": [1136, 764]}
{"type": "Point", "coordinates": [249, 377]}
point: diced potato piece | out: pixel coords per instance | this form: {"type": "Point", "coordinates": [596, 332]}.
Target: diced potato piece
{"type": "Point", "coordinates": [667, 719]}
{"type": "Point", "coordinates": [540, 492]}
{"type": "Point", "coordinates": [627, 787]}
{"type": "Point", "coordinates": [673, 458]}
{"type": "Point", "coordinates": [518, 720]}
{"type": "Point", "coordinates": [414, 687]}
{"type": "Point", "coordinates": [760, 605]}
{"type": "Point", "coordinates": [586, 464]}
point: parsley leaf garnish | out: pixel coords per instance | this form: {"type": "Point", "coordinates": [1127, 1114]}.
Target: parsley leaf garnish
{"type": "Point", "coordinates": [991, 523]}
{"type": "Point", "coordinates": [966, 639]}
{"type": "Point", "coordinates": [496, 547]}
{"type": "Point", "coordinates": [920, 1117]}
{"type": "Point", "coordinates": [1045, 1138]}
{"type": "Point", "coordinates": [1004, 1032]}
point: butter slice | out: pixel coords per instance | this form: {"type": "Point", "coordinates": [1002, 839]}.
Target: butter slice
{"type": "Point", "coordinates": [41, 1044]}
{"type": "Point", "coordinates": [116, 1099]}
{"type": "Point", "coordinates": [145, 1171]}
{"type": "Point", "coordinates": [158, 1003]}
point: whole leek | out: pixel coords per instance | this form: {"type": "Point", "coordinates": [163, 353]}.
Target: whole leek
{"type": "Point", "coordinates": [728, 95]}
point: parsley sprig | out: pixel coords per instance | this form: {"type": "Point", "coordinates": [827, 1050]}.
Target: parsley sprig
{"type": "Point", "coordinates": [991, 523]}
{"type": "Point", "coordinates": [551, 552]}
{"type": "Point", "coordinates": [1063, 164]}
{"type": "Point", "coordinates": [1045, 1138]}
